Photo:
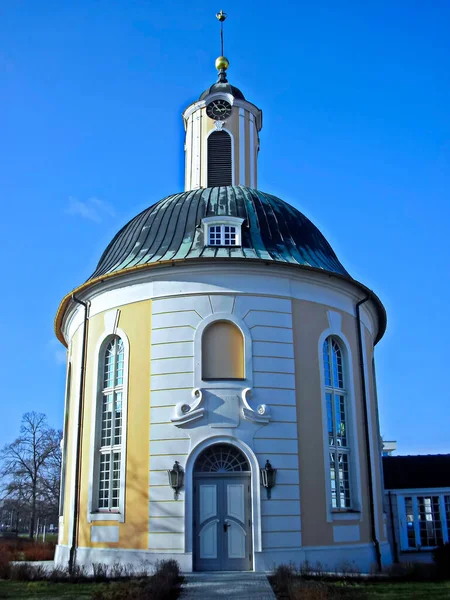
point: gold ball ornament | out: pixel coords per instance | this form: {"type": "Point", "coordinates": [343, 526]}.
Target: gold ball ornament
{"type": "Point", "coordinates": [222, 63]}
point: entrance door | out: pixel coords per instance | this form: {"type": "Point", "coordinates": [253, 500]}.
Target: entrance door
{"type": "Point", "coordinates": [222, 510]}
{"type": "Point", "coordinates": [222, 524]}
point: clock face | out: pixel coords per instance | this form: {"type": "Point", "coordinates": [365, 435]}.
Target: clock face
{"type": "Point", "coordinates": [218, 110]}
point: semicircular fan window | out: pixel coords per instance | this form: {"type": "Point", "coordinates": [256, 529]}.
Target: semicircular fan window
{"type": "Point", "coordinates": [221, 458]}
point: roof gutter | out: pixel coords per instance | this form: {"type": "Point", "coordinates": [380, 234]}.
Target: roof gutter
{"type": "Point", "coordinates": [76, 491]}
{"type": "Point", "coordinates": [370, 482]}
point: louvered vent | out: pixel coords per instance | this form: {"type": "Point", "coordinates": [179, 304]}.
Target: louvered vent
{"type": "Point", "coordinates": [219, 159]}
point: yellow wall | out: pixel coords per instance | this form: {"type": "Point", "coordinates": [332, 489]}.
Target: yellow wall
{"type": "Point", "coordinates": [309, 321]}
{"type": "Point", "coordinates": [135, 321]}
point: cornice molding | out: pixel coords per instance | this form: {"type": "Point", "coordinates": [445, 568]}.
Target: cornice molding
{"type": "Point", "coordinates": [161, 272]}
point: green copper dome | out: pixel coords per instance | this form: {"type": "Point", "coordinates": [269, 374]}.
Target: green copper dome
{"type": "Point", "coordinates": [171, 230]}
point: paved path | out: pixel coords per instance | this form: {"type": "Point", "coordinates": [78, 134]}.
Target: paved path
{"type": "Point", "coordinates": [234, 585]}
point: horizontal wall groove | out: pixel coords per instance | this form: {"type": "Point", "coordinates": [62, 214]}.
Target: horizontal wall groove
{"type": "Point", "coordinates": [262, 310]}
{"type": "Point", "coordinates": [270, 327]}
{"type": "Point", "coordinates": [170, 517]}
{"type": "Point", "coordinates": [279, 530]}
{"type": "Point", "coordinates": [281, 500]}
{"type": "Point", "coordinates": [171, 358]}
{"type": "Point", "coordinates": [164, 550]}
{"type": "Point", "coordinates": [276, 388]}
{"type": "Point", "coordinates": [154, 454]}
{"type": "Point", "coordinates": [173, 327]}
{"type": "Point", "coordinates": [280, 453]}
{"type": "Point", "coordinates": [275, 372]}
{"type": "Point", "coordinates": [167, 390]}
{"type": "Point", "coordinates": [278, 357]}
{"type": "Point", "coordinates": [281, 547]}
{"type": "Point", "coordinates": [292, 439]}
{"type": "Point", "coordinates": [170, 440]}
{"type": "Point", "coordinates": [166, 501]}
{"type": "Point", "coordinates": [273, 341]}
{"type": "Point", "coordinates": [174, 373]}
{"type": "Point", "coordinates": [176, 342]}
{"type": "Point", "coordinates": [170, 312]}
{"type": "Point", "coordinates": [270, 516]}
{"type": "Point", "coordinates": [278, 420]}
{"type": "Point", "coordinates": [166, 532]}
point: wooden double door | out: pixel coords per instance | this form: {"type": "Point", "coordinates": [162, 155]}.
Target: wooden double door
{"type": "Point", "coordinates": [222, 522]}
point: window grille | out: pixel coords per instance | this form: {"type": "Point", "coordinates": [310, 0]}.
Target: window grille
{"type": "Point", "coordinates": [337, 420]}
{"type": "Point", "coordinates": [223, 235]}
{"type": "Point", "coordinates": [430, 524]}
{"type": "Point", "coordinates": [427, 522]}
{"type": "Point", "coordinates": [110, 434]}
{"type": "Point", "coordinates": [221, 458]}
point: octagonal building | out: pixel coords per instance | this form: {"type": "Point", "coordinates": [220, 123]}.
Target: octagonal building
{"type": "Point", "coordinates": [220, 402]}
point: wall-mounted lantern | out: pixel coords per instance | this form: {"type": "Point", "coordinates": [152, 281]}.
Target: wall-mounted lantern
{"type": "Point", "coordinates": [268, 477]}
{"type": "Point", "coordinates": [176, 479]}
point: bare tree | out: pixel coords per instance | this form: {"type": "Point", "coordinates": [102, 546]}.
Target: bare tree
{"type": "Point", "coordinates": [30, 465]}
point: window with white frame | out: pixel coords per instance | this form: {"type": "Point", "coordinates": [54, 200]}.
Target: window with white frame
{"type": "Point", "coordinates": [337, 425]}
{"type": "Point", "coordinates": [109, 446]}
{"type": "Point", "coordinates": [426, 520]}
{"type": "Point", "coordinates": [223, 235]}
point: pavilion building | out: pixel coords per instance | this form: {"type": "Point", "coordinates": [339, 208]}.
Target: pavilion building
{"type": "Point", "coordinates": [221, 405]}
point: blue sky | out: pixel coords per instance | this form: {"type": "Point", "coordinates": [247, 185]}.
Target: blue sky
{"type": "Point", "coordinates": [356, 135]}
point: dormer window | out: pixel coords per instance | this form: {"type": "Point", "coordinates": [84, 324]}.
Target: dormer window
{"type": "Point", "coordinates": [222, 231]}
{"type": "Point", "coordinates": [222, 235]}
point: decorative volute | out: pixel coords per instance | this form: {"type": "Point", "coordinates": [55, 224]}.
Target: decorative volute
{"type": "Point", "coordinates": [222, 136]}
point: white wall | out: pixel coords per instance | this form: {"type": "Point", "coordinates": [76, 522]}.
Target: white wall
{"type": "Point", "coordinates": [268, 322]}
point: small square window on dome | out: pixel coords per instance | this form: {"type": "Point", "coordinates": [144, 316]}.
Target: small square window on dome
{"type": "Point", "coordinates": [223, 232]}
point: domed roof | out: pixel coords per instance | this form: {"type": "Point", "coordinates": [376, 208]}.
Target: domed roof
{"type": "Point", "coordinates": [225, 88]}
{"type": "Point", "coordinates": [171, 230]}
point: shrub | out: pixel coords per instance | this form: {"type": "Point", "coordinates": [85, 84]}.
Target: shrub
{"type": "Point", "coordinates": [282, 577]}
{"type": "Point", "coordinates": [25, 571]}
{"type": "Point", "coordinates": [348, 569]}
{"type": "Point", "coordinates": [300, 589]}
{"type": "Point", "coordinates": [39, 551]}
{"type": "Point", "coordinates": [4, 563]}
{"type": "Point", "coordinates": [412, 571]}
{"type": "Point", "coordinates": [25, 549]}
{"type": "Point", "coordinates": [100, 571]}
{"type": "Point", "coordinates": [441, 557]}
{"type": "Point", "coordinates": [162, 585]}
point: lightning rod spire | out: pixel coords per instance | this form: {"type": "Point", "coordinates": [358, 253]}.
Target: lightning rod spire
{"type": "Point", "coordinates": [222, 63]}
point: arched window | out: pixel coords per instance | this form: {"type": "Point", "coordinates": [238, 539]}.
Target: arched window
{"type": "Point", "coordinates": [219, 159]}
{"type": "Point", "coordinates": [109, 453]}
{"type": "Point", "coordinates": [221, 458]}
{"type": "Point", "coordinates": [337, 419]}
{"type": "Point", "coordinates": [222, 351]}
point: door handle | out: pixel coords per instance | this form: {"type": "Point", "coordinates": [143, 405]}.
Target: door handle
{"type": "Point", "coordinates": [225, 526]}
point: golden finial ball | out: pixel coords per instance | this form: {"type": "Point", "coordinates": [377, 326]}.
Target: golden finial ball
{"type": "Point", "coordinates": [222, 63]}
{"type": "Point", "coordinates": [221, 16]}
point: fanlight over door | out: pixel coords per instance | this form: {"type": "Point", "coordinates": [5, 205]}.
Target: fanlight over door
{"type": "Point", "coordinates": [222, 517]}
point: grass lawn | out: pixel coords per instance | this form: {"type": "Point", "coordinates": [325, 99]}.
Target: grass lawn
{"type": "Point", "coordinates": [408, 591]}
{"type": "Point", "coordinates": [372, 590]}
{"type": "Point", "coordinates": [41, 590]}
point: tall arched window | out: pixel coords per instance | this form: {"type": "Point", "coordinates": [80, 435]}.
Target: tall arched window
{"type": "Point", "coordinates": [222, 351]}
{"type": "Point", "coordinates": [337, 419]}
{"type": "Point", "coordinates": [110, 427]}
{"type": "Point", "coordinates": [219, 159]}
